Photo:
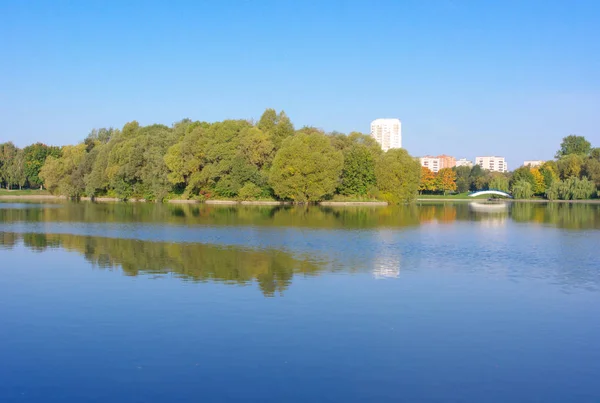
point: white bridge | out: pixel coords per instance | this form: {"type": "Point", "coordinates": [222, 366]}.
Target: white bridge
{"type": "Point", "coordinates": [490, 192]}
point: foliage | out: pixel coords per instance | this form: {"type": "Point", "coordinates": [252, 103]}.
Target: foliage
{"type": "Point", "coordinates": [358, 172]}
{"type": "Point", "coordinates": [463, 180]}
{"type": "Point", "coordinates": [549, 171]}
{"type": "Point", "coordinates": [499, 182]}
{"type": "Point", "coordinates": [522, 189]}
{"type": "Point", "coordinates": [571, 189]}
{"type": "Point", "coordinates": [574, 145]}
{"type": "Point", "coordinates": [427, 182]}
{"type": "Point", "coordinates": [538, 178]}
{"type": "Point", "coordinates": [249, 192]}
{"type": "Point", "coordinates": [59, 174]}
{"type": "Point", "coordinates": [306, 168]}
{"type": "Point", "coordinates": [522, 174]}
{"type": "Point", "coordinates": [445, 180]}
{"type": "Point", "coordinates": [398, 176]}
{"type": "Point", "coordinates": [570, 165]}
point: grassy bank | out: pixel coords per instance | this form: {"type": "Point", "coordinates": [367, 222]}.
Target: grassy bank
{"type": "Point", "coordinates": [24, 192]}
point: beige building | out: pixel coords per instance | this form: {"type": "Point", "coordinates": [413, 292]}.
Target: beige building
{"type": "Point", "coordinates": [463, 162]}
{"type": "Point", "coordinates": [433, 163]}
{"type": "Point", "coordinates": [533, 163]}
{"type": "Point", "coordinates": [387, 132]}
{"type": "Point", "coordinates": [437, 163]}
{"type": "Point", "coordinates": [493, 163]}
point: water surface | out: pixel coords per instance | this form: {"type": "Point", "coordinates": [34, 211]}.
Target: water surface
{"type": "Point", "coordinates": [430, 303]}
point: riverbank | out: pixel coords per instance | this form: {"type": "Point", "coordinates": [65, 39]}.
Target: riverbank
{"type": "Point", "coordinates": [49, 197]}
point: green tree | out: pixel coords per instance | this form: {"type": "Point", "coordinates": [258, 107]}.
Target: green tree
{"type": "Point", "coordinates": [591, 170]}
{"type": "Point", "coordinates": [574, 145]}
{"type": "Point", "coordinates": [463, 181]}
{"type": "Point", "coordinates": [398, 176]}
{"type": "Point", "coordinates": [358, 173]}
{"type": "Point", "coordinates": [35, 156]}
{"type": "Point", "coordinates": [549, 171]}
{"type": "Point", "coordinates": [277, 126]}
{"type": "Point", "coordinates": [522, 189]}
{"type": "Point", "coordinates": [306, 168]}
{"type": "Point", "coordinates": [8, 152]}
{"type": "Point", "coordinates": [570, 165]}
{"type": "Point", "coordinates": [499, 182]}
{"type": "Point", "coordinates": [58, 173]}
{"type": "Point", "coordinates": [522, 174]}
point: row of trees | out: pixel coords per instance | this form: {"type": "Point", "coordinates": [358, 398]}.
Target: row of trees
{"type": "Point", "coordinates": [230, 159]}
{"type": "Point", "coordinates": [573, 175]}
{"type": "Point", "coordinates": [21, 167]}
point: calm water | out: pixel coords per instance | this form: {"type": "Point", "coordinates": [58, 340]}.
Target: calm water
{"type": "Point", "coordinates": [427, 303]}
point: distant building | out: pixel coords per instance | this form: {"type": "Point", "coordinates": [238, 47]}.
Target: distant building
{"type": "Point", "coordinates": [463, 162]}
{"type": "Point", "coordinates": [493, 163]}
{"type": "Point", "coordinates": [533, 163]}
{"type": "Point", "coordinates": [387, 132]}
{"type": "Point", "coordinates": [447, 161]}
{"type": "Point", "coordinates": [437, 163]}
{"type": "Point", "coordinates": [433, 163]}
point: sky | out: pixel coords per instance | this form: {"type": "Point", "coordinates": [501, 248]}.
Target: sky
{"type": "Point", "coordinates": [466, 78]}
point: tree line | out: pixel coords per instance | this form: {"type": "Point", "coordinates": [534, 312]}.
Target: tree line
{"type": "Point", "coordinates": [574, 174]}
{"type": "Point", "coordinates": [236, 159]}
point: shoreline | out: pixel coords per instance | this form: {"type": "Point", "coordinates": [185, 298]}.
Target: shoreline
{"type": "Point", "coordinates": [277, 203]}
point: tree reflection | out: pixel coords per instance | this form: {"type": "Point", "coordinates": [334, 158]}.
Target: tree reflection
{"type": "Point", "coordinates": [273, 270]}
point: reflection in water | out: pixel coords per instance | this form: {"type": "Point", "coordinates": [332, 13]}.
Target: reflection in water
{"type": "Point", "coordinates": [271, 269]}
{"type": "Point", "coordinates": [564, 215]}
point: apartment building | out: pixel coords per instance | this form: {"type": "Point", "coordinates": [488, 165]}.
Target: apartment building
{"type": "Point", "coordinates": [437, 163]}
{"type": "Point", "coordinates": [387, 132]}
{"type": "Point", "coordinates": [493, 163]}
{"type": "Point", "coordinates": [463, 162]}
{"type": "Point", "coordinates": [533, 163]}
{"type": "Point", "coordinates": [433, 163]}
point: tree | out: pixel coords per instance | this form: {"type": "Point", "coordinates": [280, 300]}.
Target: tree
{"type": "Point", "coordinates": [18, 169]}
{"type": "Point", "coordinates": [463, 181]}
{"type": "Point", "coordinates": [571, 189]}
{"type": "Point", "coordinates": [445, 180]}
{"type": "Point", "coordinates": [499, 182]}
{"type": "Point", "coordinates": [59, 173]}
{"type": "Point", "coordinates": [277, 126]}
{"type": "Point", "coordinates": [591, 170]}
{"type": "Point", "coordinates": [570, 165]}
{"type": "Point", "coordinates": [540, 185]}
{"type": "Point", "coordinates": [306, 168]}
{"type": "Point", "coordinates": [35, 156]}
{"type": "Point", "coordinates": [427, 182]}
{"type": "Point", "coordinates": [398, 176]}
{"type": "Point", "coordinates": [522, 174]}
{"type": "Point", "coordinates": [8, 152]}
{"type": "Point", "coordinates": [522, 189]}
{"type": "Point", "coordinates": [358, 172]}
{"type": "Point", "coordinates": [549, 171]}
{"type": "Point", "coordinates": [477, 178]}
{"type": "Point", "coordinates": [574, 145]}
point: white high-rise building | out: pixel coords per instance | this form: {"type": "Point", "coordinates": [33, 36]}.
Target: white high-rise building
{"type": "Point", "coordinates": [387, 132]}
{"type": "Point", "coordinates": [495, 164]}
{"type": "Point", "coordinates": [533, 164]}
{"type": "Point", "coordinates": [463, 162]}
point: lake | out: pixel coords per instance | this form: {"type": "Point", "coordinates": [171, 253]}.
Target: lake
{"type": "Point", "coordinates": [194, 303]}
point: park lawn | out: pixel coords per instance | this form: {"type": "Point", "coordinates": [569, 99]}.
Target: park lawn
{"type": "Point", "coordinates": [24, 192]}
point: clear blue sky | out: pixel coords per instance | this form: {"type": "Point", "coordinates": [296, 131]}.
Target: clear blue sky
{"type": "Point", "coordinates": [466, 78]}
